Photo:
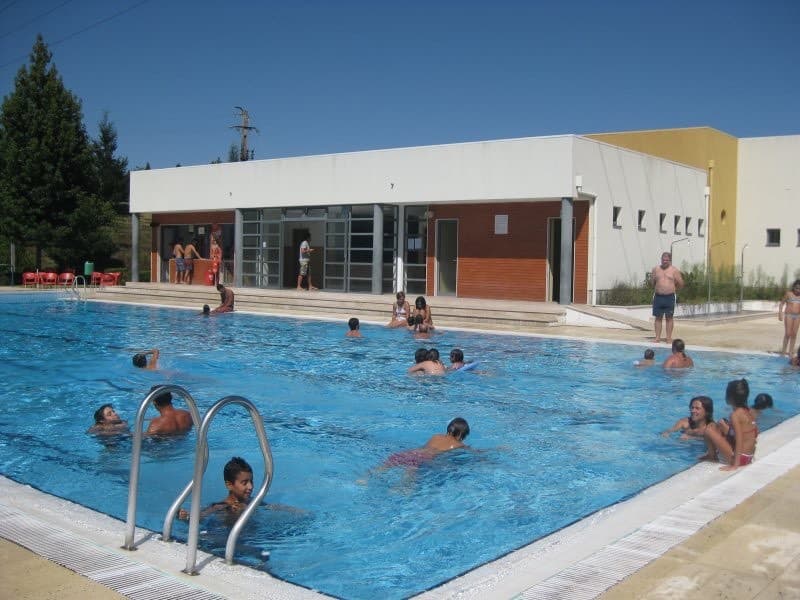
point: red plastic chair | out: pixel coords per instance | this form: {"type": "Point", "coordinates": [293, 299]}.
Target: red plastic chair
{"type": "Point", "coordinates": [66, 279]}
{"type": "Point", "coordinates": [97, 278]}
{"type": "Point", "coordinates": [111, 278]}
{"type": "Point", "coordinates": [30, 278]}
{"type": "Point", "coordinates": [48, 279]}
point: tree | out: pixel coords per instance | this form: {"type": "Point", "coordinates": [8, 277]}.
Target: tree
{"type": "Point", "coordinates": [47, 168]}
{"type": "Point", "coordinates": [233, 153]}
{"type": "Point", "coordinates": [112, 172]}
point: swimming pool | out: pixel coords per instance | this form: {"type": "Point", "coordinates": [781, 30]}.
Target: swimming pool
{"type": "Point", "coordinates": [564, 432]}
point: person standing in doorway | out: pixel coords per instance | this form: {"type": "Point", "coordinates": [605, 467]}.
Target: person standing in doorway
{"type": "Point", "coordinates": [667, 280]}
{"type": "Point", "coordinates": [216, 258]}
{"type": "Point", "coordinates": [177, 254]}
{"type": "Point", "coordinates": [189, 254]}
{"type": "Point", "coordinates": [305, 264]}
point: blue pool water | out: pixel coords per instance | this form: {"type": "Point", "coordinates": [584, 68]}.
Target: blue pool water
{"type": "Point", "coordinates": [565, 428]}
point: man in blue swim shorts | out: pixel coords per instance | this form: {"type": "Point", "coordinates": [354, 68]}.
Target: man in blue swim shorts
{"type": "Point", "coordinates": [667, 280]}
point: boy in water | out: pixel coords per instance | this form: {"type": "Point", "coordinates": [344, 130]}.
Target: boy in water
{"type": "Point", "coordinates": [238, 475]}
{"type": "Point", "coordinates": [354, 326]}
{"type": "Point", "coordinates": [456, 359]}
{"type": "Point", "coordinates": [648, 360]}
{"type": "Point", "coordinates": [140, 360]}
{"type": "Point", "coordinates": [430, 366]}
{"type": "Point", "coordinates": [457, 432]}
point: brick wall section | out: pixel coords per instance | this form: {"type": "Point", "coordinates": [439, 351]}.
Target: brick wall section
{"type": "Point", "coordinates": [513, 266]}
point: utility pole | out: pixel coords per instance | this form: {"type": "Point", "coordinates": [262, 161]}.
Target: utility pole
{"type": "Point", "coordinates": [244, 129]}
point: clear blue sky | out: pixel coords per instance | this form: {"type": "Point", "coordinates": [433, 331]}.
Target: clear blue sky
{"type": "Point", "coordinates": [321, 76]}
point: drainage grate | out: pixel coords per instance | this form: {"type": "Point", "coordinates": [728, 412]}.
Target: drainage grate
{"type": "Point", "coordinates": [131, 579]}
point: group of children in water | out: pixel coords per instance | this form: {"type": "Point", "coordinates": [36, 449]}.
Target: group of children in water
{"type": "Point", "coordinates": [733, 440]}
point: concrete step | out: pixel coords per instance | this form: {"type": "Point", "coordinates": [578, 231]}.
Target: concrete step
{"type": "Point", "coordinates": [447, 311]}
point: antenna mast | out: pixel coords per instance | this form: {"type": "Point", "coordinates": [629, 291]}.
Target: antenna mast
{"type": "Point", "coordinates": [244, 129]}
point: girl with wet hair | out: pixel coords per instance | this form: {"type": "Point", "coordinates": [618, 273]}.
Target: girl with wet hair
{"type": "Point", "coordinates": [738, 447]}
{"type": "Point", "coordinates": [701, 414]}
{"type": "Point", "coordinates": [421, 309]}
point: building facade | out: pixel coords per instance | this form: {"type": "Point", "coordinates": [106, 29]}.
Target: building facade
{"type": "Point", "coordinates": [544, 219]}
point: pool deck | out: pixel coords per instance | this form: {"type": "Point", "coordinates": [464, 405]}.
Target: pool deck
{"type": "Point", "coordinates": [731, 536]}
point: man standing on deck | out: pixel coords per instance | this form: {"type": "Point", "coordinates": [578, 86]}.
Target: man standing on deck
{"type": "Point", "coordinates": [305, 264]}
{"type": "Point", "coordinates": [667, 280]}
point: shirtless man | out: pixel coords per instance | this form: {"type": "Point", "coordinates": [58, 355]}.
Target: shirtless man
{"type": "Point", "coordinates": [189, 254]}
{"type": "Point", "coordinates": [172, 420]}
{"type": "Point", "coordinates": [226, 299]}
{"type": "Point", "coordinates": [180, 266]}
{"type": "Point", "coordinates": [430, 366]}
{"type": "Point", "coordinates": [678, 359]}
{"type": "Point", "coordinates": [667, 280]}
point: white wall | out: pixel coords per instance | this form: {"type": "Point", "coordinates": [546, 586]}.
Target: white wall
{"type": "Point", "coordinates": [634, 181]}
{"type": "Point", "coordinates": [768, 198]}
{"type": "Point", "coordinates": [525, 168]}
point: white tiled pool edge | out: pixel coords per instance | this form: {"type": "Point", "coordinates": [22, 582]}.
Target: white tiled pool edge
{"type": "Point", "coordinates": [590, 556]}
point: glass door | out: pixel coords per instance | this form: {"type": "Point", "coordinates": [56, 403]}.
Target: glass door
{"type": "Point", "coordinates": [446, 256]}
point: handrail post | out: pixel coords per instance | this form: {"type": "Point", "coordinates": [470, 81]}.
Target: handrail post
{"type": "Point", "coordinates": [201, 460]}
{"type": "Point", "coordinates": [136, 453]}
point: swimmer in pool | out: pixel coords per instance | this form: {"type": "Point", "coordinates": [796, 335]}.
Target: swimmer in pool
{"type": "Point", "coordinates": [457, 432]}
{"type": "Point", "coordinates": [678, 359]}
{"type": "Point", "coordinates": [456, 359]}
{"type": "Point", "coordinates": [648, 360]}
{"type": "Point", "coordinates": [238, 475]}
{"type": "Point", "coordinates": [140, 360]}
{"type": "Point", "coordinates": [354, 331]}
{"type": "Point", "coordinates": [107, 422]}
{"type": "Point", "coordinates": [701, 414]}
{"type": "Point", "coordinates": [430, 366]}
{"type": "Point", "coordinates": [419, 328]}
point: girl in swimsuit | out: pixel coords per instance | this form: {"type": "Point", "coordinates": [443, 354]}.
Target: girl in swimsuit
{"type": "Point", "coordinates": [701, 414]}
{"type": "Point", "coordinates": [789, 313]}
{"type": "Point", "coordinates": [400, 311]}
{"type": "Point", "coordinates": [737, 448]}
{"type": "Point", "coordinates": [421, 309]}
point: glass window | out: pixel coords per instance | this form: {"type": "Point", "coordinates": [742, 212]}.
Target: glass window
{"type": "Point", "coordinates": [273, 214]}
{"type": "Point", "coordinates": [361, 226]}
{"type": "Point", "coordinates": [361, 211]}
{"type": "Point", "coordinates": [361, 271]}
{"type": "Point", "coordinates": [701, 227]}
{"type": "Point", "coordinates": [334, 254]}
{"type": "Point", "coordinates": [617, 216]}
{"type": "Point", "coordinates": [662, 218]}
{"type": "Point", "coordinates": [336, 227]}
{"type": "Point", "coordinates": [337, 212]}
{"type": "Point", "coordinates": [251, 215]}
{"type": "Point", "coordinates": [334, 270]}
{"type": "Point", "coordinates": [640, 220]}
{"type": "Point", "coordinates": [676, 224]}
{"type": "Point", "coordinates": [251, 227]}
{"type": "Point", "coordinates": [361, 256]}
{"type": "Point", "coordinates": [687, 225]}
{"type": "Point", "coordinates": [773, 237]}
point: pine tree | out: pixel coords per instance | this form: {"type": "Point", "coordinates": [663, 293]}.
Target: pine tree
{"type": "Point", "coordinates": [112, 171]}
{"type": "Point", "coordinates": [48, 177]}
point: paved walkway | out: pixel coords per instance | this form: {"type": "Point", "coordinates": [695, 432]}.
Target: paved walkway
{"type": "Point", "coordinates": [753, 551]}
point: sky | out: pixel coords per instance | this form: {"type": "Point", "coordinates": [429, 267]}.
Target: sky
{"type": "Point", "coordinates": [326, 76]}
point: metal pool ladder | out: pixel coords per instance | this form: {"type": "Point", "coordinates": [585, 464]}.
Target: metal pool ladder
{"type": "Point", "coordinates": [76, 291]}
{"type": "Point", "coordinates": [195, 486]}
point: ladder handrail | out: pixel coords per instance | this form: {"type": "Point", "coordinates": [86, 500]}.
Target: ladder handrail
{"type": "Point", "coordinates": [75, 289]}
{"type": "Point", "coordinates": [200, 463]}
{"type": "Point", "coordinates": [136, 453]}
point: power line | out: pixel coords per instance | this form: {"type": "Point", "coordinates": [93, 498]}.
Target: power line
{"type": "Point", "coordinates": [33, 20]}
{"type": "Point", "coordinates": [72, 35]}
{"type": "Point", "coordinates": [9, 5]}
{"type": "Point", "coordinates": [244, 128]}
